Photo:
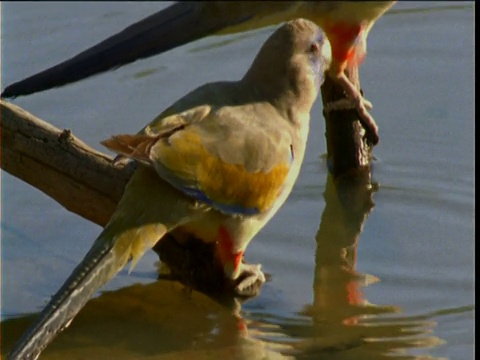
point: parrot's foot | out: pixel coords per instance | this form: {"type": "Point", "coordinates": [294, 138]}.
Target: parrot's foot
{"type": "Point", "coordinates": [368, 104]}
{"type": "Point", "coordinates": [361, 104]}
{"type": "Point", "coordinates": [250, 280]}
{"type": "Point", "coordinates": [366, 119]}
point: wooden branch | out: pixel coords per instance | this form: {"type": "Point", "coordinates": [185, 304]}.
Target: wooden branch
{"type": "Point", "coordinates": [86, 182]}
{"type": "Point", "coordinates": [54, 161]}
{"type": "Point", "coordinates": [349, 151]}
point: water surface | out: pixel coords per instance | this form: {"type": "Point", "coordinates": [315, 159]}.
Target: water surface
{"type": "Point", "coordinates": [389, 277]}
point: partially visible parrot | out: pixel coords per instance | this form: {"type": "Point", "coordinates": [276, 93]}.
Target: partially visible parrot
{"type": "Point", "coordinates": [345, 23]}
{"type": "Point", "coordinates": [216, 164]}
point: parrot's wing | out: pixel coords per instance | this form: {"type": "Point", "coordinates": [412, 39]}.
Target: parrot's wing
{"type": "Point", "coordinates": [228, 158]}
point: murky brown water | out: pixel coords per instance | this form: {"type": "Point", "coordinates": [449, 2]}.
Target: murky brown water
{"type": "Point", "coordinates": [387, 274]}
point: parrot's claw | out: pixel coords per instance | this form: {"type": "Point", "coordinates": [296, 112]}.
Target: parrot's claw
{"type": "Point", "coordinates": [250, 281]}
{"type": "Point", "coordinates": [363, 105]}
{"type": "Point", "coordinates": [368, 104]}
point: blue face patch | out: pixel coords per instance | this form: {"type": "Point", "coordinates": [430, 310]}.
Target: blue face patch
{"type": "Point", "coordinates": [318, 61]}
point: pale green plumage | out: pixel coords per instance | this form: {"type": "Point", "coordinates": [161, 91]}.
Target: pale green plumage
{"type": "Point", "coordinates": [229, 155]}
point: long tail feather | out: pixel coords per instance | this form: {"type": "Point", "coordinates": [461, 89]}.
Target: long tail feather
{"type": "Point", "coordinates": [97, 268]}
{"type": "Point", "coordinates": [171, 27]}
{"type": "Point", "coordinates": [174, 26]}
{"type": "Point", "coordinates": [134, 228]}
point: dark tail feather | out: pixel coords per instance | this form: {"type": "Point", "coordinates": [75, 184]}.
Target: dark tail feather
{"type": "Point", "coordinates": [174, 26]}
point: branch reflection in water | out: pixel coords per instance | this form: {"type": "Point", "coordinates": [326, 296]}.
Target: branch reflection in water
{"type": "Point", "coordinates": [341, 323]}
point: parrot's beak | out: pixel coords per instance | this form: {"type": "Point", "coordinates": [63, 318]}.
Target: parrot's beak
{"type": "Point", "coordinates": [327, 53]}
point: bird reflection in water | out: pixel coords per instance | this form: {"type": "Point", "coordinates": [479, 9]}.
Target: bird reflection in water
{"type": "Point", "coordinates": [169, 319]}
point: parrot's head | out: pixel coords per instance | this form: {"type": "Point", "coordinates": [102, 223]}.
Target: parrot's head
{"type": "Point", "coordinates": [292, 63]}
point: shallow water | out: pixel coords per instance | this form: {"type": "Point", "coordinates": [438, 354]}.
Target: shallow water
{"type": "Point", "coordinates": [391, 278]}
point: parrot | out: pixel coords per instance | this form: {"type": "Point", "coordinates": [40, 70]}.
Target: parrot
{"type": "Point", "coordinates": [217, 164]}
{"type": "Point", "coordinates": [345, 23]}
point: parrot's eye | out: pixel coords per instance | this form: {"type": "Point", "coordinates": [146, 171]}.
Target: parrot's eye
{"type": "Point", "coordinates": [314, 47]}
